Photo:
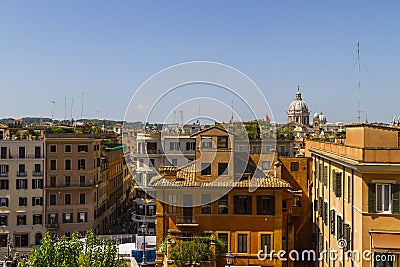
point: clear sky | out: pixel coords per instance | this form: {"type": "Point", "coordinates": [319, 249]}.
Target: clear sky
{"type": "Point", "coordinates": [50, 50]}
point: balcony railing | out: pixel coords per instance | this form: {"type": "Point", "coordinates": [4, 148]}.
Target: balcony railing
{"type": "Point", "coordinates": [25, 156]}
{"type": "Point", "coordinates": [3, 174]}
{"type": "Point", "coordinates": [37, 174]}
{"type": "Point", "coordinates": [186, 221]}
{"type": "Point", "coordinates": [53, 226]}
{"type": "Point", "coordinates": [21, 174]}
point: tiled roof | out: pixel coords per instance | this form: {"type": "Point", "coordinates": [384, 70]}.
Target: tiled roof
{"type": "Point", "coordinates": [186, 178]}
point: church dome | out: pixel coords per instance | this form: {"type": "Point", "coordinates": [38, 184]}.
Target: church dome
{"type": "Point", "coordinates": [298, 105]}
{"type": "Point", "coordinates": [298, 111]}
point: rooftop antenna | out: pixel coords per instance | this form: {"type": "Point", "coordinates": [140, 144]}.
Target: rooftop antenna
{"type": "Point", "coordinates": [82, 106]}
{"type": "Point", "coordinates": [52, 111]}
{"type": "Point", "coordinates": [65, 108]}
{"type": "Point", "coordinates": [72, 108]}
{"type": "Point", "coordinates": [359, 82]}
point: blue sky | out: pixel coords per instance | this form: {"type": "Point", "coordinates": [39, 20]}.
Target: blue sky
{"type": "Point", "coordinates": [50, 50]}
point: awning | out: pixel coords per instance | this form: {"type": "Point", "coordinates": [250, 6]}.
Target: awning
{"type": "Point", "coordinates": [385, 242]}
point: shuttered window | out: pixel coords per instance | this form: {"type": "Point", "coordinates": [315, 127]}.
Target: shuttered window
{"type": "Point", "coordinates": [326, 213]}
{"type": "Point", "coordinates": [395, 198]}
{"type": "Point", "coordinates": [371, 198]}
{"type": "Point", "coordinates": [339, 227]}
{"type": "Point", "coordinates": [333, 218]}
{"type": "Point", "coordinates": [326, 176]}
{"type": "Point", "coordinates": [339, 183]}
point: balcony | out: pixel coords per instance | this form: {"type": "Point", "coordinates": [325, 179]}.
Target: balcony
{"type": "Point", "coordinates": [186, 221]}
{"type": "Point", "coordinates": [53, 226]}
{"type": "Point", "coordinates": [37, 174]}
{"type": "Point", "coordinates": [25, 156]}
{"type": "Point", "coordinates": [3, 174]}
{"type": "Point", "coordinates": [21, 174]}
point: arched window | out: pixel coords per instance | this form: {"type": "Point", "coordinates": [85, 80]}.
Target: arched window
{"type": "Point", "coordinates": [38, 238]}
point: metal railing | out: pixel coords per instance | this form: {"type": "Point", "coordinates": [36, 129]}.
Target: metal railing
{"type": "Point", "coordinates": [37, 173]}
{"type": "Point", "coordinates": [21, 174]}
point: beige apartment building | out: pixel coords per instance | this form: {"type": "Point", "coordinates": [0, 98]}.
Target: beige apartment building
{"type": "Point", "coordinates": [72, 182]}
{"type": "Point", "coordinates": [356, 197]}
{"type": "Point", "coordinates": [21, 192]}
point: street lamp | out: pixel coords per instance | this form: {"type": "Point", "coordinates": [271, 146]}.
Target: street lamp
{"type": "Point", "coordinates": [229, 258]}
{"type": "Point", "coordinates": [8, 245]}
{"type": "Point", "coordinates": [118, 242]}
{"type": "Point", "coordinates": [143, 230]}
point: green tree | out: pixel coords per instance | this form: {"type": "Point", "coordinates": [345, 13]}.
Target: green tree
{"type": "Point", "coordinates": [72, 252]}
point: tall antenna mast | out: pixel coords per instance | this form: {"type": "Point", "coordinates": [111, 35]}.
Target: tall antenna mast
{"type": "Point", "coordinates": [65, 108]}
{"type": "Point", "coordinates": [359, 82]}
{"type": "Point", "coordinates": [52, 111]}
{"type": "Point", "coordinates": [82, 108]}
{"type": "Point", "coordinates": [72, 108]}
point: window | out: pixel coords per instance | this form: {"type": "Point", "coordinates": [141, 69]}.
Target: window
{"type": "Point", "coordinates": [22, 201]}
{"type": "Point", "coordinates": [53, 218]}
{"type": "Point", "coordinates": [337, 183]}
{"type": "Point", "coordinates": [37, 219]}
{"type": "Point", "coordinates": [151, 210]}
{"type": "Point", "coordinates": [38, 239]}
{"type": "Point", "coordinates": [242, 243]}
{"type": "Point", "coordinates": [67, 181]}
{"type": "Point", "coordinates": [265, 242]}
{"type": "Point", "coordinates": [284, 205]}
{"type": "Point", "coordinates": [383, 197]}
{"type": "Point", "coordinates": [67, 218]}
{"type": "Point", "coordinates": [206, 204]}
{"type": "Point", "coordinates": [81, 164]}
{"type": "Point", "coordinates": [174, 162]}
{"type": "Point", "coordinates": [225, 239]}
{"type": "Point", "coordinates": [53, 164]}
{"type": "Point", "coordinates": [52, 181]}
{"type": "Point", "coordinates": [265, 205]}
{"type": "Point", "coordinates": [326, 213]}
{"type": "Point", "coordinates": [266, 165]}
{"type": "Point", "coordinates": [68, 164]}
{"type": "Point", "coordinates": [339, 227]}
{"type": "Point", "coordinates": [222, 141]}
{"type": "Point", "coordinates": [82, 216]}
{"type": "Point", "coordinates": [242, 204]}
{"type": "Point", "coordinates": [4, 169]}
{"type": "Point", "coordinates": [349, 188]}
{"type": "Point", "coordinates": [268, 149]}
{"type": "Point", "coordinates": [206, 169]}
{"type": "Point", "coordinates": [141, 162]}
{"type": "Point", "coordinates": [3, 202]}
{"type": "Point", "coordinates": [294, 166]}
{"type": "Point", "coordinates": [38, 152]}
{"type": "Point", "coordinates": [3, 220]}
{"type": "Point", "coordinates": [222, 169]}
{"type": "Point", "coordinates": [83, 148]}
{"type": "Point", "coordinates": [255, 149]}
{"type": "Point", "coordinates": [172, 201]}
{"type": "Point", "coordinates": [333, 218]}
{"type": "Point", "coordinates": [37, 201]}
{"type": "Point", "coordinates": [21, 152]}
{"type": "Point", "coordinates": [21, 240]}
{"type": "Point", "coordinates": [21, 170]}
{"type": "Point", "coordinates": [3, 152]}
{"type": "Point", "coordinates": [174, 146]}
{"type": "Point", "coordinates": [82, 198]}
{"type": "Point", "coordinates": [67, 199]}
{"type": "Point", "coordinates": [53, 148]}
{"type": "Point", "coordinates": [22, 183]}
{"type": "Point", "coordinates": [326, 174]}
{"type": "Point", "coordinates": [3, 184]}
{"type": "Point", "coordinates": [151, 147]}
{"type": "Point", "coordinates": [190, 146]}
{"type": "Point", "coordinates": [52, 199]}
{"type": "Point", "coordinates": [21, 219]}
{"type": "Point", "coordinates": [38, 170]}
{"type": "Point", "coordinates": [68, 149]}
{"type": "Point", "coordinates": [223, 205]}
{"type": "Point", "coordinates": [206, 142]}
{"type": "Point", "coordinates": [82, 180]}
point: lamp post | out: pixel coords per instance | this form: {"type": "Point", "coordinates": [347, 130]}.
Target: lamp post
{"type": "Point", "coordinates": [229, 258]}
{"type": "Point", "coordinates": [8, 245]}
{"type": "Point", "coordinates": [143, 230]}
{"type": "Point", "coordinates": [118, 242]}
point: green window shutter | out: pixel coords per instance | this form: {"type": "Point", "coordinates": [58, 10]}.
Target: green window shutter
{"type": "Point", "coordinates": [326, 175]}
{"type": "Point", "coordinates": [338, 184]}
{"type": "Point", "coordinates": [395, 198]}
{"type": "Point", "coordinates": [371, 198]}
{"type": "Point", "coordinates": [333, 181]}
